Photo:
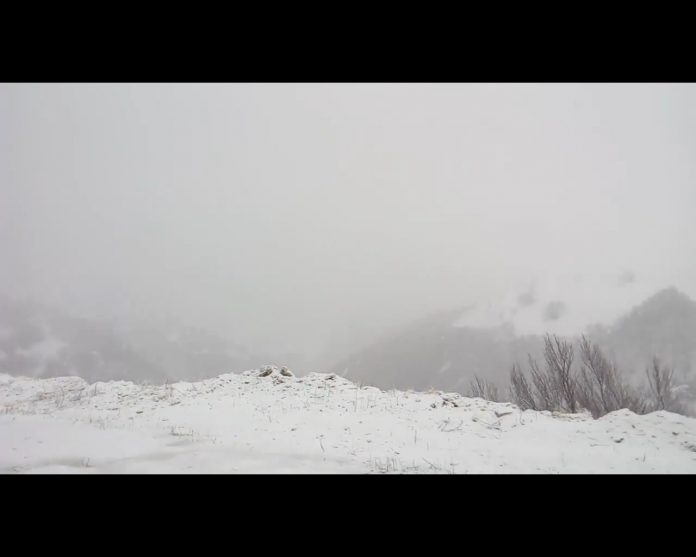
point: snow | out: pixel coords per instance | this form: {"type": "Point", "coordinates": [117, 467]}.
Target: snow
{"type": "Point", "coordinates": [319, 423]}
{"type": "Point", "coordinates": [585, 301]}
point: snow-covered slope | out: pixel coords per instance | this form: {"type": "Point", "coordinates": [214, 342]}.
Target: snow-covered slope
{"type": "Point", "coordinates": [319, 423]}
{"type": "Point", "coordinates": [563, 305]}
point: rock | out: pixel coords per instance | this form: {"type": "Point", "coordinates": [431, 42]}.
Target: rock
{"type": "Point", "coordinates": [449, 400]}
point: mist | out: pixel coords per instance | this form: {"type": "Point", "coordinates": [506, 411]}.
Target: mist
{"type": "Point", "coordinates": [309, 219]}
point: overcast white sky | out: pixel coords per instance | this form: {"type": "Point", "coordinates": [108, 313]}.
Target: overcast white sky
{"type": "Point", "coordinates": [293, 215]}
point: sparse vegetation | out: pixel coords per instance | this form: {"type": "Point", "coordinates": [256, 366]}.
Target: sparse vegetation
{"type": "Point", "coordinates": [663, 393]}
{"type": "Point", "coordinates": [595, 384]}
{"type": "Point", "coordinates": [480, 388]}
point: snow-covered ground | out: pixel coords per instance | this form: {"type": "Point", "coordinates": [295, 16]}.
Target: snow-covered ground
{"type": "Point", "coordinates": [319, 423]}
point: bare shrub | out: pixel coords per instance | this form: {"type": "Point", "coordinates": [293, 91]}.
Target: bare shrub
{"type": "Point", "coordinates": [483, 389]}
{"type": "Point", "coordinates": [545, 393]}
{"type": "Point", "coordinates": [552, 388]}
{"type": "Point", "coordinates": [521, 390]}
{"type": "Point", "coordinates": [600, 387]}
{"type": "Point", "coordinates": [663, 393]}
{"type": "Point", "coordinates": [597, 385]}
{"type": "Point", "coordinates": [559, 367]}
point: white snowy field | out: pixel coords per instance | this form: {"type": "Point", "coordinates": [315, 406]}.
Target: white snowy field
{"type": "Point", "coordinates": [321, 423]}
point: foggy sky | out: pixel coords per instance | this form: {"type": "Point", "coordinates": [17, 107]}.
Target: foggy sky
{"type": "Point", "coordinates": [304, 216]}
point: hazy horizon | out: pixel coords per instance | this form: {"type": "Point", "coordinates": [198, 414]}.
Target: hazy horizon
{"type": "Point", "coordinates": [310, 218]}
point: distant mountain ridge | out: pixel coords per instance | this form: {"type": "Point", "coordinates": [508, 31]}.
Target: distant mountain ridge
{"type": "Point", "coordinates": [443, 353]}
{"type": "Point", "coordinates": [664, 325]}
{"type": "Point", "coordinates": [38, 341]}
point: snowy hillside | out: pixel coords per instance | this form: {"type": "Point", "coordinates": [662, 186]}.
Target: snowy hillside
{"type": "Point", "coordinates": [563, 305]}
{"type": "Point", "coordinates": [448, 349]}
{"type": "Point", "coordinates": [271, 421]}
